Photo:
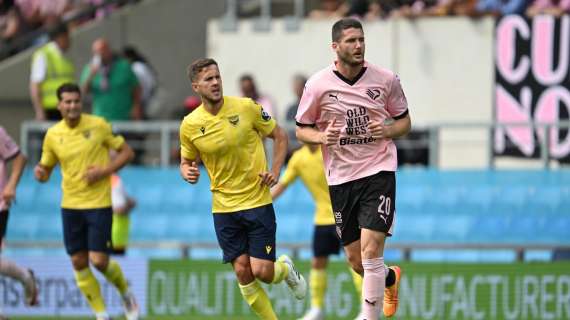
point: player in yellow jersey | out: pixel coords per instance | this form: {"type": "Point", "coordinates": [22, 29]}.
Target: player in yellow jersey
{"type": "Point", "coordinates": [122, 205]}
{"type": "Point", "coordinates": [225, 133]}
{"type": "Point", "coordinates": [307, 164]}
{"type": "Point", "coordinates": [80, 143]}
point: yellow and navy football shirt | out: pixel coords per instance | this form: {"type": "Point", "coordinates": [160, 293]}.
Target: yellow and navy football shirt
{"type": "Point", "coordinates": [77, 149]}
{"type": "Point", "coordinates": [229, 144]}
{"type": "Point", "coordinates": [308, 165]}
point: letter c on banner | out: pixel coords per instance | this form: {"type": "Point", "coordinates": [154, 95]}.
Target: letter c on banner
{"type": "Point", "coordinates": [506, 48]}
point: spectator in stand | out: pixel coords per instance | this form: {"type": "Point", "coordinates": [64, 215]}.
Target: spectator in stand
{"type": "Point", "coordinates": [115, 91]}
{"type": "Point", "coordinates": [249, 89]}
{"type": "Point", "coordinates": [330, 9]}
{"type": "Point", "coordinates": [13, 23]}
{"type": "Point", "coordinates": [50, 69]}
{"type": "Point", "coordinates": [299, 81]}
{"type": "Point", "coordinates": [188, 106]}
{"type": "Point", "coordinates": [20, 17]}
{"type": "Point", "coordinates": [500, 7]}
{"type": "Point", "coordinates": [553, 7]}
{"type": "Point", "coordinates": [366, 10]}
{"type": "Point", "coordinates": [146, 75]}
{"type": "Point", "coordinates": [113, 85]}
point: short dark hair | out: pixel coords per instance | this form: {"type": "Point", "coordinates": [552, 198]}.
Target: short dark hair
{"type": "Point", "coordinates": [67, 87]}
{"type": "Point", "coordinates": [197, 66]}
{"type": "Point", "coordinates": [343, 24]}
{"type": "Point", "coordinates": [246, 77]}
{"type": "Point", "coordinates": [57, 30]}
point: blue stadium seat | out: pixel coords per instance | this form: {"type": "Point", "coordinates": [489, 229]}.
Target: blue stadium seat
{"type": "Point", "coordinates": [149, 227]}
{"type": "Point", "coordinates": [23, 227]}
{"type": "Point", "coordinates": [477, 200]}
{"type": "Point", "coordinates": [453, 206]}
{"type": "Point", "coordinates": [411, 199]}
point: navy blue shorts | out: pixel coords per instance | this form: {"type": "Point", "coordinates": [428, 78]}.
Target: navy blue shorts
{"type": "Point", "coordinates": [325, 241]}
{"type": "Point", "coordinates": [250, 231]}
{"type": "Point", "coordinates": [3, 223]}
{"type": "Point", "coordinates": [87, 230]}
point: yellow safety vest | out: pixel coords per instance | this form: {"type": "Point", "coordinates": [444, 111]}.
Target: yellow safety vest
{"type": "Point", "coordinates": [60, 70]}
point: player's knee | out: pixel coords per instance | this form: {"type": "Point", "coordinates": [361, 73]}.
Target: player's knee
{"type": "Point", "coordinates": [358, 268]}
{"type": "Point", "coordinates": [79, 261]}
{"type": "Point", "coordinates": [100, 265]}
{"type": "Point", "coordinates": [356, 265]}
{"type": "Point", "coordinates": [264, 273]}
{"type": "Point", "coordinates": [370, 253]}
{"type": "Point", "coordinates": [355, 262]}
{"type": "Point", "coordinates": [243, 273]}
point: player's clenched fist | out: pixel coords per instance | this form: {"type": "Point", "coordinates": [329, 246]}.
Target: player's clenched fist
{"type": "Point", "coordinates": [190, 172]}
{"type": "Point", "coordinates": [40, 173]}
{"type": "Point", "coordinates": [94, 174]}
{"type": "Point", "coordinates": [267, 178]}
{"type": "Point", "coordinates": [379, 130]}
{"type": "Point", "coordinates": [330, 136]}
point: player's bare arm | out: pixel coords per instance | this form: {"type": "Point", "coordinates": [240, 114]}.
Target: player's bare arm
{"type": "Point", "coordinates": [126, 209]}
{"type": "Point", "coordinates": [189, 170]}
{"type": "Point", "coordinates": [280, 142]}
{"type": "Point", "coordinates": [277, 190]}
{"type": "Point", "coordinates": [395, 129]}
{"type": "Point", "coordinates": [312, 135]}
{"type": "Point", "coordinates": [124, 155]}
{"type": "Point", "coordinates": [9, 192]}
{"type": "Point", "coordinates": [42, 173]}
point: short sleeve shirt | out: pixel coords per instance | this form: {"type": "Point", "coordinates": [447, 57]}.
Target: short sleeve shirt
{"type": "Point", "coordinates": [374, 95]}
{"type": "Point", "coordinates": [229, 144]}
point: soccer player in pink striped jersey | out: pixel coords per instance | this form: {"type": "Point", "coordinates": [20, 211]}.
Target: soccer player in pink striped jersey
{"type": "Point", "coordinates": [355, 109]}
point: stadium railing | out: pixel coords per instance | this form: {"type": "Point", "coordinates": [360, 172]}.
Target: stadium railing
{"type": "Point", "coordinates": [161, 138]}
{"type": "Point", "coordinates": [229, 21]}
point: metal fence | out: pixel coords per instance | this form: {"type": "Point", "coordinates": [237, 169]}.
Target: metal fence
{"type": "Point", "coordinates": [158, 140]}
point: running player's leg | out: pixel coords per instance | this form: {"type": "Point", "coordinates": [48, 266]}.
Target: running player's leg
{"type": "Point", "coordinates": [99, 226]}
{"type": "Point", "coordinates": [318, 287]}
{"type": "Point", "coordinates": [12, 270]}
{"type": "Point", "coordinates": [232, 238]}
{"type": "Point", "coordinates": [376, 216]}
{"type": "Point", "coordinates": [75, 240]}
{"type": "Point", "coordinates": [345, 205]}
{"type": "Point", "coordinates": [357, 280]}
{"type": "Point", "coordinates": [120, 233]}
{"type": "Point", "coordinates": [373, 281]}
{"type": "Point", "coordinates": [251, 289]}
{"type": "Point", "coordinates": [261, 229]}
{"type": "Point", "coordinates": [325, 243]}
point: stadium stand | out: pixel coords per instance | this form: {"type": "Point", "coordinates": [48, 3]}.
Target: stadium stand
{"type": "Point", "coordinates": [434, 206]}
